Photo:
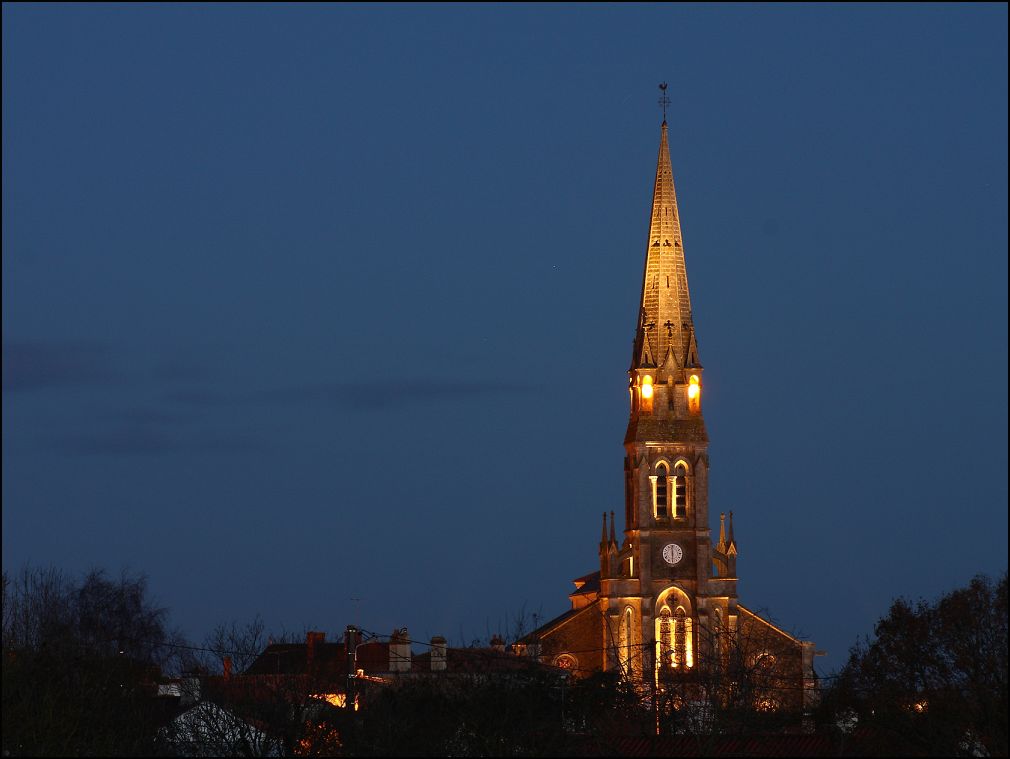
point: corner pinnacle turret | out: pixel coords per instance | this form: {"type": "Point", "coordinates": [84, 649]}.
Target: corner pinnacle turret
{"type": "Point", "coordinates": [665, 330]}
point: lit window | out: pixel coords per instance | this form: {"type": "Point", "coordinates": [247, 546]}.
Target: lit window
{"type": "Point", "coordinates": [662, 492]}
{"type": "Point", "coordinates": [626, 640]}
{"type": "Point", "coordinates": [665, 638]}
{"type": "Point", "coordinates": [647, 393]}
{"type": "Point", "coordinates": [674, 639]}
{"type": "Point", "coordinates": [679, 637]}
{"type": "Point", "coordinates": [680, 490]}
{"type": "Point", "coordinates": [694, 394]}
{"type": "Point", "coordinates": [566, 661]}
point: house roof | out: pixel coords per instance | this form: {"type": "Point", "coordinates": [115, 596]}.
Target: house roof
{"type": "Point", "coordinates": [327, 659]}
{"type": "Point", "coordinates": [478, 661]}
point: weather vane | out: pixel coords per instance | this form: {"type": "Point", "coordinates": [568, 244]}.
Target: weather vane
{"type": "Point", "coordinates": [664, 101]}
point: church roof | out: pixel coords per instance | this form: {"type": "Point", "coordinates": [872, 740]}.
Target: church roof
{"type": "Point", "coordinates": [665, 328]}
{"type": "Point", "coordinates": [773, 626]}
{"type": "Point", "coordinates": [589, 583]}
{"type": "Point", "coordinates": [555, 623]}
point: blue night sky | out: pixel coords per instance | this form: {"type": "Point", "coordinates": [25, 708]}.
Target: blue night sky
{"type": "Point", "coordinates": [310, 303]}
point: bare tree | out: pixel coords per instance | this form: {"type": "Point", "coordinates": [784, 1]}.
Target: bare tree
{"type": "Point", "coordinates": [237, 644]}
{"type": "Point", "coordinates": [81, 664]}
{"type": "Point", "coordinates": [235, 709]}
{"type": "Point", "coordinates": [745, 681]}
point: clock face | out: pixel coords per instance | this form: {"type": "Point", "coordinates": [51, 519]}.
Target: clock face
{"type": "Point", "coordinates": [672, 554]}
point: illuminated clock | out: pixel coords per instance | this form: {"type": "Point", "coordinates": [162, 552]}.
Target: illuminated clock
{"type": "Point", "coordinates": [672, 554]}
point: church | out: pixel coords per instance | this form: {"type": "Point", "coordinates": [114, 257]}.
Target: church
{"type": "Point", "coordinates": [663, 606]}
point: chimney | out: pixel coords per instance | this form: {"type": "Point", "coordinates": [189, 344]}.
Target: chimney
{"type": "Point", "coordinates": [438, 654]}
{"type": "Point", "coordinates": [498, 643]}
{"type": "Point", "coordinates": [352, 636]}
{"type": "Point", "coordinates": [313, 642]}
{"type": "Point", "coordinates": [227, 668]}
{"type": "Point", "coordinates": [399, 651]}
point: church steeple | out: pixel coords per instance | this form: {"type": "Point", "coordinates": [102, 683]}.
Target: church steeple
{"type": "Point", "coordinates": [665, 334]}
{"type": "Point", "coordinates": [668, 583]}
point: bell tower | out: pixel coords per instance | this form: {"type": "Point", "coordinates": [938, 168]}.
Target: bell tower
{"type": "Point", "coordinates": [666, 589]}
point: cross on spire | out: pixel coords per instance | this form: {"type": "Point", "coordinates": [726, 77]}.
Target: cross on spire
{"type": "Point", "coordinates": [664, 101]}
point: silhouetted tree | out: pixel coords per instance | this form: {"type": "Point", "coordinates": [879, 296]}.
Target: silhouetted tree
{"type": "Point", "coordinates": [525, 711]}
{"type": "Point", "coordinates": [230, 712]}
{"type": "Point", "coordinates": [81, 660]}
{"type": "Point", "coordinates": [933, 679]}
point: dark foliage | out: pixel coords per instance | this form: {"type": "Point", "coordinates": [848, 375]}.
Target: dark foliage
{"type": "Point", "coordinates": [534, 713]}
{"type": "Point", "coordinates": [933, 680]}
{"type": "Point", "coordinates": [80, 665]}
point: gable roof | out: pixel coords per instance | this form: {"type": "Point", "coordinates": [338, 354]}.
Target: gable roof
{"type": "Point", "coordinates": [586, 584]}
{"type": "Point", "coordinates": [557, 622]}
{"type": "Point", "coordinates": [327, 659]}
{"type": "Point", "coordinates": [478, 661]}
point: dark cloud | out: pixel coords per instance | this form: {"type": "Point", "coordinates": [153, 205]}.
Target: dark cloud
{"type": "Point", "coordinates": [386, 394]}
{"type": "Point", "coordinates": [150, 416]}
{"type": "Point", "coordinates": [200, 396]}
{"type": "Point", "coordinates": [128, 439]}
{"type": "Point", "coordinates": [33, 365]}
{"type": "Point", "coordinates": [145, 440]}
{"type": "Point", "coordinates": [184, 369]}
{"type": "Point", "coordinates": [144, 430]}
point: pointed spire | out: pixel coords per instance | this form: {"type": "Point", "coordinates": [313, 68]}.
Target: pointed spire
{"type": "Point", "coordinates": [731, 550]}
{"type": "Point", "coordinates": [691, 353]}
{"type": "Point", "coordinates": [721, 545]}
{"type": "Point", "coordinates": [603, 534]}
{"type": "Point", "coordinates": [665, 322]}
{"type": "Point", "coordinates": [613, 539]}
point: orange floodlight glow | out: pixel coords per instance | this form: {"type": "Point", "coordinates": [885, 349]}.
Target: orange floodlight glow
{"type": "Point", "coordinates": [693, 387]}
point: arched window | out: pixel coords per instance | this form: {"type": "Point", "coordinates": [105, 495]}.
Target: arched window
{"type": "Point", "coordinates": [679, 639]}
{"type": "Point", "coordinates": [674, 636]}
{"type": "Point", "coordinates": [566, 661]}
{"type": "Point", "coordinates": [626, 640]}
{"type": "Point", "coordinates": [665, 638]}
{"type": "Point", "coordinates": [647, 392]}
{"type": "Point", "coordinates": [763, 664]}
{"type": "Point", "coordinates": [680, 490]}
{"type": "Point", "coordinates": [662, 492]}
